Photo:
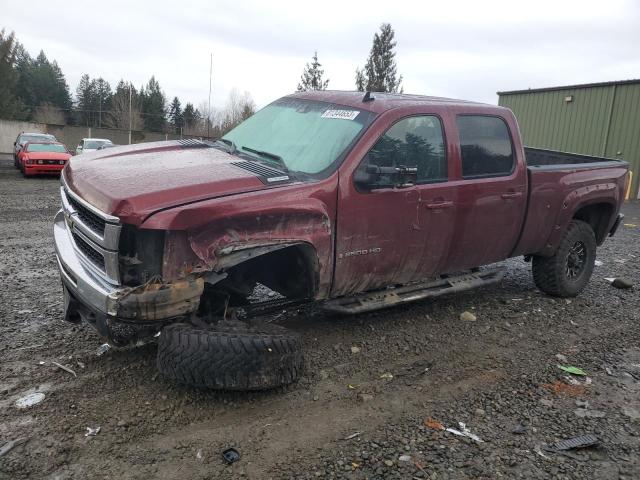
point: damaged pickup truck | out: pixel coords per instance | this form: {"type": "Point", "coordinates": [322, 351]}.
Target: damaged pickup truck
{"type": "Point", "coordinates": [351, 202]}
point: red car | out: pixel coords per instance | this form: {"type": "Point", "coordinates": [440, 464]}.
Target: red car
{"type": "Point", "coordinates": [38, 158]}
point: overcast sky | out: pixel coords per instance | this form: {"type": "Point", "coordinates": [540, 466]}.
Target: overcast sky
{"type": "Point", "coordinates": [461, 49]}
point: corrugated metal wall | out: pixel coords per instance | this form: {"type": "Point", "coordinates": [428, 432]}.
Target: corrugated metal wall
{"type": "Point", "coordinates": [600, 120]}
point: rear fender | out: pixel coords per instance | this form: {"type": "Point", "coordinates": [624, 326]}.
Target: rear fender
{"type": "Point", "coordinates": [602, 193]}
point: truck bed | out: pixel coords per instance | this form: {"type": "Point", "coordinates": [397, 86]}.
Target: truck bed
{"type": "Point", "coordinates": [558, 182]}
{"type": "Point", "coordinates": [540, 157]}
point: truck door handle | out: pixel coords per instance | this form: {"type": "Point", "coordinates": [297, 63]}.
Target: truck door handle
{"type": "Point", "coordinates": [438, 205]}
{"type": "Point", "coordinates": [511, 195]}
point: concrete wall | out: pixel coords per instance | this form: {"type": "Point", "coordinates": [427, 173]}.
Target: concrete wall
{"type": "Point", "coordinates": [9, 130]}
{"type": "Point", "coordinates": [71, 135]}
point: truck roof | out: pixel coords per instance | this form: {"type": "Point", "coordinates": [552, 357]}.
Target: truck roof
{"type": "Point", "coordinates": [382, 101]}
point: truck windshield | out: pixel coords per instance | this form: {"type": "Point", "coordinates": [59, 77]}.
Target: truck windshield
{"type": "Point", "coordinates": [310, 137]}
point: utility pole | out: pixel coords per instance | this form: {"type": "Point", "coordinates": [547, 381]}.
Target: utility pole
{"type": "Point", "coordinates": [129, 113]}
{"type": "Point", "coordinates": [209, 107]}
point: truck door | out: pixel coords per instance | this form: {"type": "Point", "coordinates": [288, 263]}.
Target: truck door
{"type": "Point", "coordinates": [490, 192]}
{"type": "Point", "coordinates": [383, 237]}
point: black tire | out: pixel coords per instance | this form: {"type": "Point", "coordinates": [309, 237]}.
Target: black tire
{"type": "Point", "coordinates": [230, 356]}
{"type": "Point", "coordinates": [568, 271]}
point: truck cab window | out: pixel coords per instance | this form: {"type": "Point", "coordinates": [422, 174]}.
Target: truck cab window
{"type": "Point", "coordinates": [413, 142]}
{"type": "Point", "coordinates": [485, 146]}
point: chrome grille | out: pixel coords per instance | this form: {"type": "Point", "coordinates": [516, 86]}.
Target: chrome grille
{"type": "Point", "coordinates": [96, 258]}
{"type": "Point", "coordinates": [95, 234]}
{"type": "Point", "coordinates": [89, 218]}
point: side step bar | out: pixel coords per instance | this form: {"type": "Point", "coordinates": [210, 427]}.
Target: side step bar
{"type": "Point", "coordinates": [378, 299]}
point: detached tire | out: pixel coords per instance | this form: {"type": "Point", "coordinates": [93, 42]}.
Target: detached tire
{"type": "Point", "coordinates": [567, 272]}
{"type": "Point", "coordinates": [230, 356]}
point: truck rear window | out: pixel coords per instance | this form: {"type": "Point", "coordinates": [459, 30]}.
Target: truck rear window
{"type": "Point", "coordinates": [309, 136]}
{"type": "Point", "coordinates": [485, 145]}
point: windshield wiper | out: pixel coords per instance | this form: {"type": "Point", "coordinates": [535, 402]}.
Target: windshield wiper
{"type": "Point", "coordinates": [231, 147]}
{"type": "Point", "coordinates": [269, 155]}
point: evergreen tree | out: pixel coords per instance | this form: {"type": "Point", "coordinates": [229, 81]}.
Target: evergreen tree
{"type": "Point", "coordinates": [101, 100]}
{"type": "Point", "coordinates": [153, 106]}
{"type": "Point", "coordinates": [10, 104]}
{"type": "Point", "coordinates": [311, 78]}
{"type": "Point", "coordinates": [24, 88]}
{"type": "Point", "coordinates": [48, 86]}
{"type": "Point", "coordinates": [176, 115]}
{"type": "Point", "coordinates": [380, 72]}
{"type": "Point", "coordinates": [189, 116]}
{"type": "Point", "coordinates": [85, 100]}
{"type": "Point", "coordinates": [118, 116]}
{"type": "Point", "coordinates": [61, 97]}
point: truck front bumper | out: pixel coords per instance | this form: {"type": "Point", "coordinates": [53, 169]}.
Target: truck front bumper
{"type": "Point", "coordinates": [77, 275]}
{"type": "Point", "coordinates": [121, 314]}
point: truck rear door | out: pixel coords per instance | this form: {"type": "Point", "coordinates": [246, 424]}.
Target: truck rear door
{"type": "Point", "coordinates": [491, 190]}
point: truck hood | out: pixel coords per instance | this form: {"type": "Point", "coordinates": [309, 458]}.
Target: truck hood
{"type": "Point", "coordinates": [133, 182]}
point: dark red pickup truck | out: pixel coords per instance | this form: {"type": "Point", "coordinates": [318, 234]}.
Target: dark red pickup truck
{"type": "Point", "coordinates": [351, 201]}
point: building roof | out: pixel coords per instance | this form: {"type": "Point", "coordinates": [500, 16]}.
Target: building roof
{"type": "Point", "coordinates": [571, 87]}
{"type": "Point", "coordinates": [382, 101]}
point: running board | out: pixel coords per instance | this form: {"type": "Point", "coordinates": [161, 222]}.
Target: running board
{"type": "Point", "coordinates": [375, 300]}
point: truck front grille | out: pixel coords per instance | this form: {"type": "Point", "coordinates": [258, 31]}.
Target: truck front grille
{"type": "Point", "coordinates": [92, 254]}
{"type": "Point", "coordinates": [89, 218]}
{"type": "Point", "coordinates": [95, 234]}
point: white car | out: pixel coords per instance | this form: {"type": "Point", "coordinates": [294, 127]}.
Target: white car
{"type": "Point", "coordinates": [91, 144]}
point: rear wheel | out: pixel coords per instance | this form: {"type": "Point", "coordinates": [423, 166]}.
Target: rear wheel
{"type": "Point", "coordinates": [567, 272]}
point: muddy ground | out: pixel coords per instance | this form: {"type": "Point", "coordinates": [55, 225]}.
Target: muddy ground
{"type": "Point", "coordinates": [498, 374]}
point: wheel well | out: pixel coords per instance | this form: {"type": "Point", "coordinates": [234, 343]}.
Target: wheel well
{"type": "Point", "coordinates": [598, 216]}
{"type": "Point", "coordinates": [292, 271]}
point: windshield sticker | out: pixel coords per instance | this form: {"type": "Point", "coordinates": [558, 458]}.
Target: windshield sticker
{"type": "Point", "coordinates": [343, 114]}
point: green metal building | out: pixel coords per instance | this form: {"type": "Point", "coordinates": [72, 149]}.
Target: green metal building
{"type": "Point", "coordinates": [601, 119]}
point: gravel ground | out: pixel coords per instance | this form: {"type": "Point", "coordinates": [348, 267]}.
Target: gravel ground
{"type": "Point", "coordinates": [347, 418]}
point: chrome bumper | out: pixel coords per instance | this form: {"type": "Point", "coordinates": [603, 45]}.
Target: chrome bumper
{"type": "Point", "coordinates": [79, 276]}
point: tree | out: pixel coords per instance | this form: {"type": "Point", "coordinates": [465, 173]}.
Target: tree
{"type": "Point", "coordinates": [85, 100]}
{"type": "Point", "coordinates": [101, 100]}
{"type": "Point", "coordinates": [311, 78]}
{"type": "Point", "coordinates": [153, 106]}
{"type": "Point", "coordinates": [191, 118]}
{"type": "Point", "coordinates": [40, 83]}
{"type": "Point", "coordinates": [48, 85]}
{"type": "Point", "coordinates": [176, 115]}
{"type": "Point", "coordinates": [10, 104]}
{"type": "Point", "coordinates": [118, 116]}
{"type": "Point", "coordinates": [237, 109]}
{"type": "Point", "coordinates": [24, 87]}
{"type": "Point", "coordinates": [380, 72]}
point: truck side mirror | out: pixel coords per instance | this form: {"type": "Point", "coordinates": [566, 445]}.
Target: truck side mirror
{"type": "Point", "coordinates": [369, 176]}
